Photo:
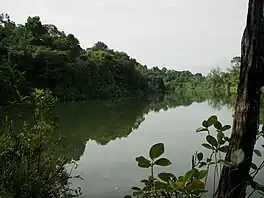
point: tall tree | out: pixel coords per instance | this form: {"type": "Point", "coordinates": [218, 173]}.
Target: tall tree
{"type": "Point", "coordinates": [233, 181]}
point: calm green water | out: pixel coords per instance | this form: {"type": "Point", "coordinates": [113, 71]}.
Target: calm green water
{"type": "Point", "coordinates": [105, 137]}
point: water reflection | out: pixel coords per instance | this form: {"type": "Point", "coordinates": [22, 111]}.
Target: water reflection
{"type": "Point", "coordinates": [105, 121]}
{"type": "Point", "coordinates": [111, 170]}
{"type": "Point", "coordinates": [98, 134]}
{"type": "Point", "coordinates": [99, 121]}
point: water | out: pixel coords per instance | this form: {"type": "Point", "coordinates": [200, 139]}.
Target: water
{"type": "Point", "coordinates": [105, 137]}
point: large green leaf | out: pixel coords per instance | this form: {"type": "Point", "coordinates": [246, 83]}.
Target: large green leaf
{"type": "Point", "coordinates": [172, 184]}
{"type": "Point", "coordinates": [200, 156]}
{"type": "Point", "coordinates": [156, 150]}
{"type": "Point", "coordinates": [208, 146]}
{"type": "Point", "coordinates": [159, 185]}
{"type": "Point", "coordinates": [253, 166]}
{"type": "Point", "coordinates": [202, 174]}
{"type": "Point", "coordinates": [212, 120]}
{"type": "Point", "coordinates": [199, 174]}
{"type": "Point", "coordinates": [226, 127]}
{"type": "Point", "coordinates": [220, 137]}
{"type": "Point", "coordinates": [189, 175]}
{"type": "Point", "coordinates": [162, 162]}
{"type": "Point", "coordinates": [201, 129]}
{"type": "Point", "coordinates": [218, 125]}
{"type": "Point", "coordinates": [255, 185]}
{"type": "Point", "coordinates": [166, 176]}
{"type": "Point", "coordinates": [205, 123]}
{"type": "Point", "coordinates": [177, 185]}
{"type": "Point", "coordinates": [258, 153]}
{"type": "Point", "coordinates": [135, 188]}
{"type": "Point", "coordinates": [237, 156]}
{"type": "Point", "coordinates": [224, 149]}
{"type": "Point", "coordinates": [197, 184]}
{"type": "Point", "coordinates": [211, 140]}
{"type": "Point", "coordinates": [143, 162]}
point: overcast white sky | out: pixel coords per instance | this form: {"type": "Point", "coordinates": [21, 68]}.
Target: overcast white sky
{"type": "Point", "coordinates": [180, 34]}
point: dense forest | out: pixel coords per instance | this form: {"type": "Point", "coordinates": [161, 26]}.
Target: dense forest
{"type": "Point", "coordinates": [215, 80]}
{"type": "Point", "coordinates": [38, 62]}
{"type": "Point", "coordinates": [36, 55]}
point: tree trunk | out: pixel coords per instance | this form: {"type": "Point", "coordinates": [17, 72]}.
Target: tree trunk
{"type": "Point", "coordinates": [234, 180]}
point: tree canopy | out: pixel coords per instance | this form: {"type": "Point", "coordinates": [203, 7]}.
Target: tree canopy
{"type": "Point", "coordinates": [36, 55]}
{"type": "Point", "coordinates": [39, 55]}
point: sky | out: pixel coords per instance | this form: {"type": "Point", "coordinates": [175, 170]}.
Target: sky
{"type": "Point", "coordinates": [195, 35]}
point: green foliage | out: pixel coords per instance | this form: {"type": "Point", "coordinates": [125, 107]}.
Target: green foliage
{"type": "Point", "coordinates": [211, 140]}
{"type": "Point", "coordinates": [258, 153]}
{"type": "Point", "coordinates": [215, 81]}
{"type": "Point", "coordinates": [162, 162]}
{"type": "Point", "coordinates": [173, 80]}
{"type": "Point", "coordinates": [31, 165]}
{"type": "Point", "coordinates": [193, 182]}
{"type": "Point", "coordinates": [185, 81]}
{"type": "Point", "coordinates": [143, 162]}
{"type": "Point", "coordinates": [39, 55]}
{"type": "Point", "coordinates": [167, 184]}
{"type": "Point", "coordinates": [156, 151]}
{"type": "Point", "coordinates": [45, 57]}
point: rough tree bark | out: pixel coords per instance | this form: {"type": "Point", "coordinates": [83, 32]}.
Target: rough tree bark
{"type": "Point", "coordinates": [233, 180]}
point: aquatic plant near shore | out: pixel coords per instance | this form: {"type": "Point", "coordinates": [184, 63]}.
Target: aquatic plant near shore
{"type": "Point", "coordinates": [193, 183]}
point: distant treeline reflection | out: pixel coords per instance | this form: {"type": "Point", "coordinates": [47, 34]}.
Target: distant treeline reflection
{"type": "Point", "coordinates": [104, 121]}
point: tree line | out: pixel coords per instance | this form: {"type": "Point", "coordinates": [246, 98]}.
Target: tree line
{"type": "Point", "coordinates": [36, 55]}
{"type": "Point", "coordinates": [216, 80]}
